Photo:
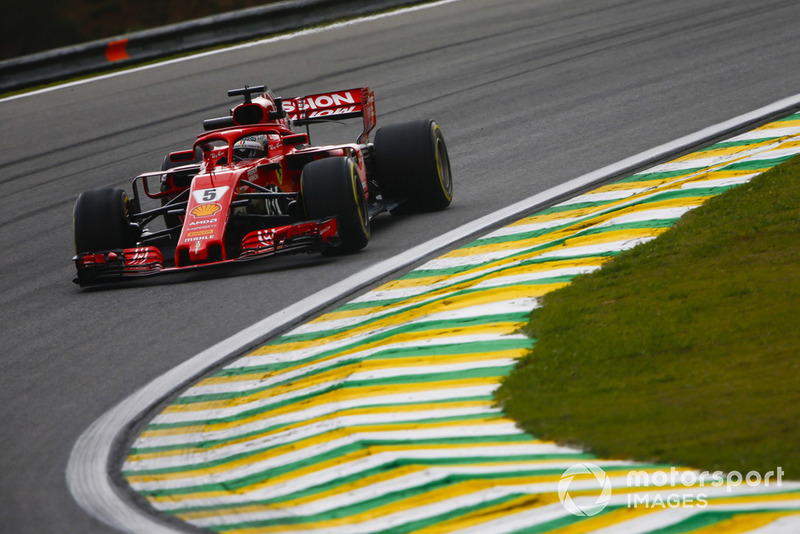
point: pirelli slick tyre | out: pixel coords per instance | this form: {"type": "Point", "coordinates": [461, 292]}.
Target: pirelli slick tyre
{"type": "Point", "coordinates": [101, 221]}
{"type": "Point", "coordinates": [411, 162]}
{"type": "Point", "coordinates": [332, 187]}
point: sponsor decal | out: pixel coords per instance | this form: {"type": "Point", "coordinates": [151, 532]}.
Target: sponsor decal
{"type": "Point", "coordinates": [314, 102]}
{"type": "Point", "coordinates": [324, 113]}
{"type": "Point", "coordinates": [206, 210]}
{"type": "Point", "coordinates": [336, 111]}
{"type": "Point", "coordinates": [266, 237]}
{"type": "Point", "coordinates": [200, 232]}
{"type": "Point", "coordinates": [207, 223]}
{"type": "Point", "coordinates": [274, 142]}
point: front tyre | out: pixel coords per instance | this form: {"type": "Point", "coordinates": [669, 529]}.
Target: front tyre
{"type": "Point", "coordinates": [332, 187]}
{"type": "Point", "coordinates": [101, 221]}
{"type": "Point", "coordinates": [411, 162]}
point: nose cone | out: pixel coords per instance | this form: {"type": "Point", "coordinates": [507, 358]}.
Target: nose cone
{"type": "Point", "coordinates": [202, 235]}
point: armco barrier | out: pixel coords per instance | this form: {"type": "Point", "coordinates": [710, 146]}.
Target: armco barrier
{"type": "Point", "coordinates": [96, 56]}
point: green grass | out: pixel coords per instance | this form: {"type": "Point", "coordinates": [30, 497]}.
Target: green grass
{"type": "Point", "coordinates": [683, 350]}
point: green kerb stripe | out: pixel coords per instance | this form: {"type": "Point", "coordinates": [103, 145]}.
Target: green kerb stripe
{"type": "Point", "coordinates": [334, 454]}
{"type": "Point", "coordinates": [400, 352]}
{"type": "Point", "coordinates": [665, 175]}
{"type": "Point", "coordinates": [500, 370]}
{"type": "Point", "coordinates": [697, 521]}
{"type": "Point", "coordinates": [756, 165]}
{"type": "Point", "coordinates": [366, 442]}
{"type": "Point", "coordinates": [656, 223]}
{"type": "Point", "coordinates": [427, 325]}
{"type": "Point", "coordinates": [258, 412]}
{"type": "Point", "coordinates": [201, 446]}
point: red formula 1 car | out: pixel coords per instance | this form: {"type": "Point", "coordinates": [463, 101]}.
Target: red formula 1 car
{"type": "Point", "coordinates": [253, 187]}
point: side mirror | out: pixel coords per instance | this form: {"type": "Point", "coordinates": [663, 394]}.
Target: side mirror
{"type": "Point", "coordinates": [181, 156]}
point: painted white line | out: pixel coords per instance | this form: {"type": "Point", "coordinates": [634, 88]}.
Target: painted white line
{"type": "Point", "coordinates": [313, 350]}
{"type": "Point", "coordinates": [722, 182]}
{"type": "Point", "coordinates": [515, 522]}
{"type": "Point", "coordinates": [494, 308]}
{"type": "Point", "coordinates": [87, 471]}
{"type": "Point", "coordinates": [205, 455]}
{"type": "Point", "coordinates": [241, 387]}
{"type": "Point", "coordinates": [769, 133]}
{"type": "Point", "coordinates": [378, 374]}
{"type": "Point", "coordinates": [515, 229]}
{"type": "Point", "coordinates": [370, 462]}
{"type": "Point", "coordinates": [400, 438]}
{"type": "Point", "coordinates": [606, 196]}
{"type": "Point", "coordinates": [272, 490]}
{"type": "Point", "coordinates": [497, 278]}
{"type": "Point", "coordinates": [419, 478]}
{"type": "Point", "coordinates": [662, 214]}
{"type": "Point", "coordinates": [780, 526]}
{"type": "Point", "coordinates": [421, 513]}
{"type": "Point", "coordinates": [499, 281]}
{"type": "Point", "coordinates": [774, 154]}
{"type": "Point", "coordinates": [329, 422]}
{"type": "Point", "coordinates": [418, 397]}
{"type": "Point", "coordinates": [596, 250]}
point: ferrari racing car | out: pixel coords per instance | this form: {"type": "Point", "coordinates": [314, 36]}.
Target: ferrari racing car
{"type": "Point", "coordinates": [253, 186]}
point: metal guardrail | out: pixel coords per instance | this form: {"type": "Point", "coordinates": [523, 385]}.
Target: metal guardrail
{"type": "Point", "coordinates": [97, 56]}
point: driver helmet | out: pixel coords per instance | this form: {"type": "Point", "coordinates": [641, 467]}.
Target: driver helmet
{"type": "Point", "coordinates": [250, 147]}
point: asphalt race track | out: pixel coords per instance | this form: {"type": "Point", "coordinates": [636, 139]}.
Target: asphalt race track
{"type": "Point", "coordinates": [528, 93]}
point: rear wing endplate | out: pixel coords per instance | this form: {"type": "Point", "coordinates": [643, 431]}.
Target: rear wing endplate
{"type": "Point", "coordinates": [337, 105]}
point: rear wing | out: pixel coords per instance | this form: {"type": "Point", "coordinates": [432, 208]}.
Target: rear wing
{"type": "Point", "coordinates": [337, 105]}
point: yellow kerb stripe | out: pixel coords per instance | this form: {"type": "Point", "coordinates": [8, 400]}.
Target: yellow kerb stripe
{"type": "Point", "coordinates": [384, 363]}
{"type": "Point", "coordinates": [744, 522]}
{"type": "Point", "coordinates": [407, 408]}
{"type": "Point", "coordinates": [359, 454]}
{"type": "Point", "coordinates": [416, 501]}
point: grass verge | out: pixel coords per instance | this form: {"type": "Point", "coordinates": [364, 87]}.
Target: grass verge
{"type": "Point", "coordinates": [683, 350]}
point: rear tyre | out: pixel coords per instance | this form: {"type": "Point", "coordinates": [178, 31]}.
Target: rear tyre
{"type": "Point", "coordinates": [332, 187]}
{"type": "Point", "coordinates": [101, 221]}
{"type": "Point", "coordinates": [411, 162]}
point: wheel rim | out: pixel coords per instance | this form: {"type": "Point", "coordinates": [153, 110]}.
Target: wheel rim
{"type": "Point", "coordinates": [443, 167]}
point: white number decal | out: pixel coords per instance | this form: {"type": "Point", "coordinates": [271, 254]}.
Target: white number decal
{"type": "Point", "coordinates": [204, 196]}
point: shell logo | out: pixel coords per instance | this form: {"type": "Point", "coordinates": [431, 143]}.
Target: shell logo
{"type": "Point", "coordinates": [206, 210]}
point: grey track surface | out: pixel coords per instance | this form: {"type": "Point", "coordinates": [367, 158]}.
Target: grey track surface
{"type": "Point", "coordinates": [529, 94]}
